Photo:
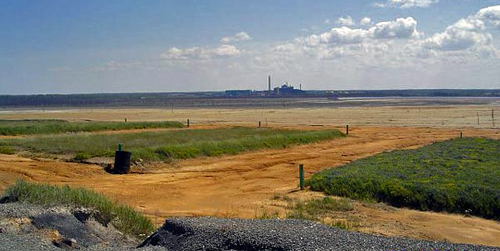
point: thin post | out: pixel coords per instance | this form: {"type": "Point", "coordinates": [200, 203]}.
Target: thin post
{"type": "Point", "coordinates": [120, 147]}
{"type": "Point", "coordinates": [461, 135]}
{"type": "Point", "coordinates": [493, 117]}
{"type": "Point", "coordinates": [259, 124]}
{"type": "Point", "coordinates": [477, 118]}
{"type": "Point", "coordinates": [125, 120]}
{"type": "Point", "coordinates": [302, 176]}
{"type": "Point", "coordinates": [347, 130]}
{"type": "Point", "coordinates": [188, 123]}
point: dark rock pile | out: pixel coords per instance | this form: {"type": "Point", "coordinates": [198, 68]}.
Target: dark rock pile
{"type": "Point", "coordinates": [239, 234]}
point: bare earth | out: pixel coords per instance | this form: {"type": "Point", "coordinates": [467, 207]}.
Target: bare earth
{"type": "Point", "coordinates": [422, 116]}
{"type": "Point", "coordinates": [244, 185]}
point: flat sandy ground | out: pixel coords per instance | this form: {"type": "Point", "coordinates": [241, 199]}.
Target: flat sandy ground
{"type": "Point", "coordinates": [415, 116]}
{"type": "Point", "coordinates": [244, 185]}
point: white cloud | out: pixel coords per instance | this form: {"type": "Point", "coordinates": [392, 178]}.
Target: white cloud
{"type": "Point", "coordinates": [327, 21]}
{"type": "Point", "coordinates": [401, 28]}
{"type": "Point", "coordinates": [346, 21]}
{"type": "Point", "coordinates": [399, 43]}
{"type": "Point", "coordinates": [469, 24]}
{"type": "Point", "coordinates": [454, 39]}
{"type": "Point", "coordinates": [226, 51]}
{"type": "Point", "coordinates": [405, 4]}
{"type": "Point", "coordinates": [199, 53]}
{"type": "Point", "coordinates": [467, 33]}
{"type": "Point", "coordinates": [490, 15]}
{"type": "Point", "coordinates": [287, 48]}
{"type": "Point", "coordinates": [379, 5]}
{"type": "Point", "coordinates": [238, 37]}
{"type": "Point", "coordinates": [342, 35]}
{"type": "Point", "coordinates": [365, 21]}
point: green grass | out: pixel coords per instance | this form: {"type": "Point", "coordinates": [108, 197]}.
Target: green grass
{"type": "Point", "coordinates": [123, 217]}
{"type": "Point", "coordinates": [327, 210]}
{"type": "Point", "coordinates": [168, 145]}
{"type": "Point", "coordinates": [316, 209]}
{"type": "Point", "coordinates": [457, 176]}
{"type": "Point", "coordinates": [34, 127]}
{"type": "Point", "coordinates": [267, 215]}
{"type": "Point", "coordinates": [7, 150]}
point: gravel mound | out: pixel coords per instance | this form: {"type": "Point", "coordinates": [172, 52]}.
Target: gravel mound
{"type": "Point", "coordinates": [239, 234]}
{"type": "Point", "coordinates": [31, 227]}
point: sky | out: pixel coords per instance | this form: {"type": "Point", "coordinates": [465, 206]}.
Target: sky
{"type": "Point", "coordinates": [113, 46]}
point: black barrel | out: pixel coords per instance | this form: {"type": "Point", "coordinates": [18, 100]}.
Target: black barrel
{"type": "Point", "coordinates": [122, 162]}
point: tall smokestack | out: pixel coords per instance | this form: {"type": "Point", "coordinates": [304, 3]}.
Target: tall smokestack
{"type": "Point", "coordinates": [269, 83]}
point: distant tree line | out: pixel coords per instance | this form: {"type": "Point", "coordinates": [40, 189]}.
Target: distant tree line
{"type": "Point", "coordinates": [208, 99]}
{"type": "Point", "coordinates": [420, 93]}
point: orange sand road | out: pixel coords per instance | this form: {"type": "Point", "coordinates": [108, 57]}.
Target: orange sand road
{"type": "Point", "coordinates": [240, 185]}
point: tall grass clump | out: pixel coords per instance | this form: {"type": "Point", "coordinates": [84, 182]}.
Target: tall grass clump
{"type": "Point", "coordinates": [457, 176]}
{"type": "Point", "coordinates": [34, 127]}
{"type": "Point", "coordinates": [326, 210]}
{"type": "Point", "coordinates": [123, 217]}
{"type": "Point", "coordinates": [316, 209]}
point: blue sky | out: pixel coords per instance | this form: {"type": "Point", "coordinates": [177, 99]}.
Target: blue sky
{"type": "Point", "coordinates": [87, 46]}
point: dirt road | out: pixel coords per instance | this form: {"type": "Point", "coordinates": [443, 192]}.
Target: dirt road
{"type": "Point", "coordinates": [240, 186]}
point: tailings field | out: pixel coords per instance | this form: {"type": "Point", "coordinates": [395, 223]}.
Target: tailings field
{"type": "Point", "coordinates": [365, 113]}
{"type": "Point", "coordinates": [246, 184]}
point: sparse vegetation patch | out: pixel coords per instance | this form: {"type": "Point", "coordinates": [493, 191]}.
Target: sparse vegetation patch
{"type": "Point", "coordinates": [457, 176]}
{"type": "Point", "coordinates": [32, 127]}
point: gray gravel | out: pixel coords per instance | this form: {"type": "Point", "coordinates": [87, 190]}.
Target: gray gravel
{"type": "Point", "coordinates": [28, 242]}
{"type": "Point", "coordinates": [238, 234]}
{"type": "Point", "coordinates": [29, 227]}
{"type": "Point", "coordinates": [25, 227]}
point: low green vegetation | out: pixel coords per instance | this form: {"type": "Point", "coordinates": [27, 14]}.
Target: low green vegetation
{"type": "Point", "coordinates": [123, 217]}
{"type": "Point", "coordinates": [335, 212]}
{"type": "Point", "coordinates": [316, 209]}
{"type": "Point", "coordinates": [80, 157]}
{"type": "Point", "coordinates": [457, 176]}
{"type": "Point", "coordinates": [168, 145]}
{"type": "Point", "coordinates": [7, 150]}
{"type": "Point", "coordinates": [267, 215]}
{"type": "Point", "coordinates": [33, 127]}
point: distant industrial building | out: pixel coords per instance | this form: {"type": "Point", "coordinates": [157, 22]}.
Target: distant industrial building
{"type": "Point", "coordinates": [283, 90]}
{"type": "Point", "coordinates": [287, 90]}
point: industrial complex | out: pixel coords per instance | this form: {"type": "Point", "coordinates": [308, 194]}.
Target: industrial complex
{"type": "Point", "coordinates": [279, 91]}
